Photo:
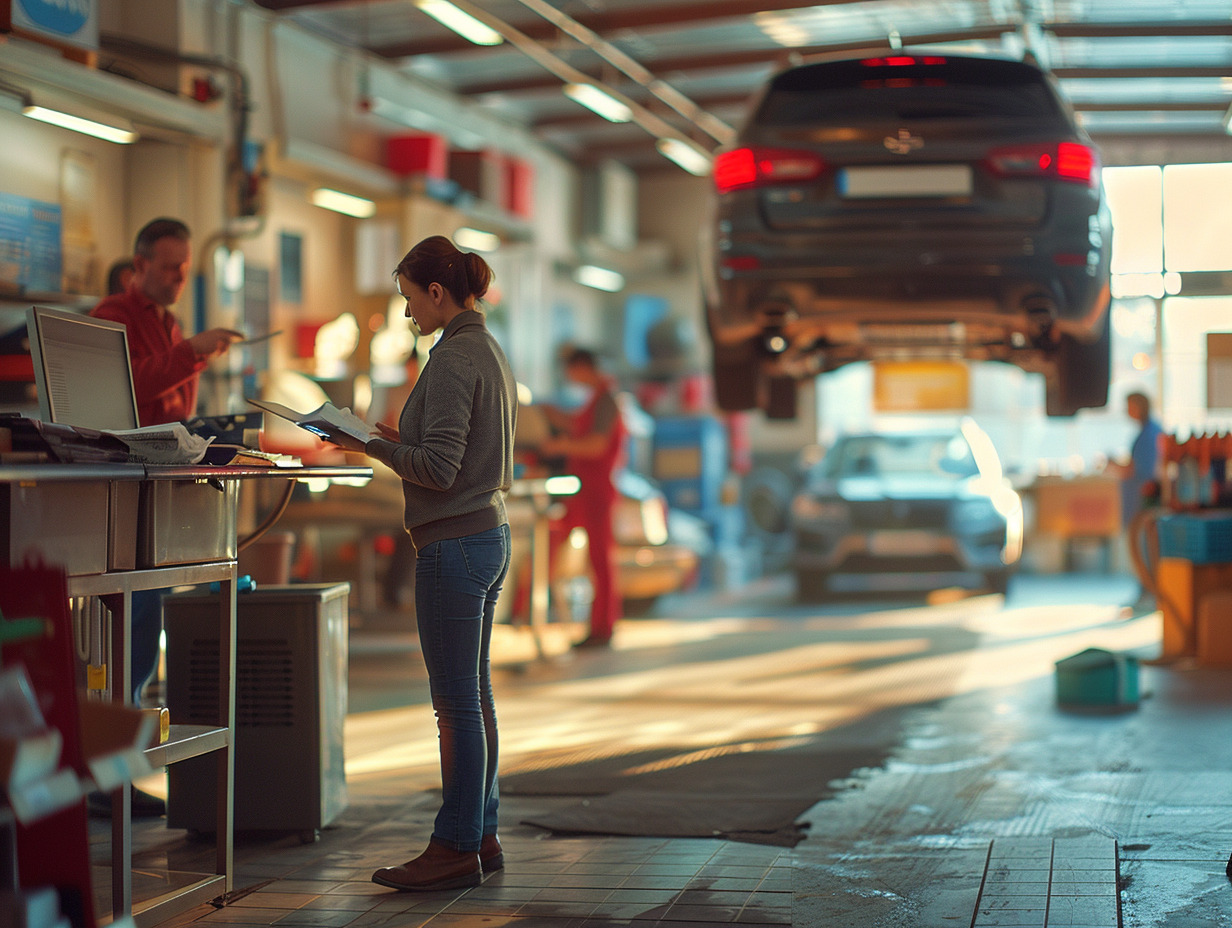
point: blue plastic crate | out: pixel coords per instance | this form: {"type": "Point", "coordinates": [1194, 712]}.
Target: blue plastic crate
{"type": "Point", "coordinates": [1199, 537]}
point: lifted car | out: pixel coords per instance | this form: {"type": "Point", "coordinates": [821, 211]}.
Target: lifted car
{"type": "Point", "coordinates": [908, 206]}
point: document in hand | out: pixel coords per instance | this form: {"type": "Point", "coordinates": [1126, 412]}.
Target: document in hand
{"type": "Point", "coordinates": [327, 421]}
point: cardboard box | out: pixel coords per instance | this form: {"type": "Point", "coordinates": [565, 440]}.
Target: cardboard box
{"type": "Point", "coordinates": [1215, 629]}
{"type": "Point", "coordinates": [1078, 507]}
{"type": "Point", "coordinates": [1183, 586]}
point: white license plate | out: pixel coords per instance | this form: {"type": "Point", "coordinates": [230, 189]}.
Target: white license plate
{"type": "Point", "coordinates": [926, 180]}
{"type": "Point", "coordinates": [902, 543]}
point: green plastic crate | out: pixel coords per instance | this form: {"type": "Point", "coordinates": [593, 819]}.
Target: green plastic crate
{"type": "Point", "coordinates": [1097, 680]}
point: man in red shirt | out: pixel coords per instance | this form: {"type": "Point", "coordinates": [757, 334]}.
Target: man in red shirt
{"type": "Point", "coordinates": [166, 365]}
{"type": "Point", "coordinates": [592, 443]}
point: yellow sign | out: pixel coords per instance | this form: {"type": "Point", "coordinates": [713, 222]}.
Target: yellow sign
{"type": "Point", "coordinates": [921, 386]}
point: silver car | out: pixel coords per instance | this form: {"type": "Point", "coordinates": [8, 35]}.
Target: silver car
{"type": "Point", "coordinates": [906, 511]}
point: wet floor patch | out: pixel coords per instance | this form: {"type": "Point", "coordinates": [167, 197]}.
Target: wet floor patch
{"type": "Point", "coordinates": [1042, 882]}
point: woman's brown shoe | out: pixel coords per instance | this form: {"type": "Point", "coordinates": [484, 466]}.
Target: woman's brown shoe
{"type": "Point", "coordinates": [438, 867]}
{"type": "Point", "coordinates": [491, 855]}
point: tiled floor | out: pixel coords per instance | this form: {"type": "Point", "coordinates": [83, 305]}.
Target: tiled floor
{"type": "Point", "coordinates": [557, 884]}
{"type": "Point", "coordinates": [1045, 883]}
{"type": "Point", "coordinates": [990, 809]}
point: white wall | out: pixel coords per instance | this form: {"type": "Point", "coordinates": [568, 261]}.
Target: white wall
{"type": "Point", "coordinates": [31, 161]}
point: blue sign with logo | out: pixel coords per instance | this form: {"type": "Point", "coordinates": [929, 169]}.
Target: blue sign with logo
{"type": "Point", "coordinates": [30, 253]}
{"type": "Point", "coordinates": [71, 22]}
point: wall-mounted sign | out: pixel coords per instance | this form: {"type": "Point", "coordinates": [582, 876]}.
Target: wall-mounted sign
{"type": "Point", "coordinates": [30, 253]}
{"type": "Point", "coordinates": [921, 386]}
{"type": "Point", "coordinates": [1218, 370]}
{"type": "Point", "coordinates": [62, 22]}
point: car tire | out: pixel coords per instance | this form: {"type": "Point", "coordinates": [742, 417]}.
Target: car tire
{"type": "Point", "coordinates": [737, 376]}
{"type": "Point", "coordinates": [782, 398]}
{"type": "Point", "coordinates": [1082, 373]}
{"type": "Point", "coordinates": [812, 586]}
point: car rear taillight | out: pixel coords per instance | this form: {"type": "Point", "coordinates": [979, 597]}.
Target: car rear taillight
{"type": "Point", "coordinates": [1068, 161]}
{"type": "Point", "coordinates": [758, 167]}
{"type": "Point", "coordinates": [902, 61]}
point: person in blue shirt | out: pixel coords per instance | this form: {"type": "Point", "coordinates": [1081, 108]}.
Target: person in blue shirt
{"type": "Point", "coordinates": [1140, 473]}
{"type": "Point", "coordinates": [1143, 466]}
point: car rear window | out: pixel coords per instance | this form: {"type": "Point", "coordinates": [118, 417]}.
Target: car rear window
{"type": "Point", "coordinates": [907, 88]}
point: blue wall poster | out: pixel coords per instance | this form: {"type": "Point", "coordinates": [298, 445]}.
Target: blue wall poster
{"type": "Point", "coordinates": [30, 253]}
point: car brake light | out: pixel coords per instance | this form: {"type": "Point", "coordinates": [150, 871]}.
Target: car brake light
{"type": "Point", "coordinates": [1067, 161]}
{"type": "Point", "coordinates": [1076, 162]}
{"type": "Point", "coordinates": [902, 61]}
{"type": "Point", "coordinates": [757, 167]}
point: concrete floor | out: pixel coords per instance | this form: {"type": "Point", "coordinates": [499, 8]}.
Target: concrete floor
{"type": "Point", "coordinates": [965, 796]}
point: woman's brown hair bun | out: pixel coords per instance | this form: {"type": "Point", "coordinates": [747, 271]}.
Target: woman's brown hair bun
{"type": "Point", "coordinates": [437, 260]}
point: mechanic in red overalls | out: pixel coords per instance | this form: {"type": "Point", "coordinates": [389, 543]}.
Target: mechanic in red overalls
{"type": "Point", "coordinates": [592, 443]}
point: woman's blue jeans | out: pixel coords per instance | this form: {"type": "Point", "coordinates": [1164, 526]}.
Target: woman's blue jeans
{"type": "Point", "coordinates": [457, 582]}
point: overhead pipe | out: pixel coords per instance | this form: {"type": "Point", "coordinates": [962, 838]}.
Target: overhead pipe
{"type": "Point", "coordinates": [533, 49]}
{"type": "Point", "coordinates": [718, 130]}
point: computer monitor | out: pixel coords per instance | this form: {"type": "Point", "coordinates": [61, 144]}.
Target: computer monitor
{"type": "Point", "coordinates": [81, 370]}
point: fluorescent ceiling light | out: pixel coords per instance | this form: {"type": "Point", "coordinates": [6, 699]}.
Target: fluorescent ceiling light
{"type": "Point", "coordinates": [98, 130]}
{"type": "Point", "coordinates": [688, 156]}
{"type": "Point", "coordinates": [343, 203]}
{"type": "Point", "coordinates": [598, 101]}
{"type": "Point", "coordinates": [476, 239]}
{"type": "Point", "coordinates": [464, 24]}
{"type": "Point", "coordinates": [591, 275]}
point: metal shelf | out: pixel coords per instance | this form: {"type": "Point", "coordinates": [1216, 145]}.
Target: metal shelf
{"type": "Point", "coordinates": [155, 578]}
{"type": "Point", "coordinates": [185, 741]}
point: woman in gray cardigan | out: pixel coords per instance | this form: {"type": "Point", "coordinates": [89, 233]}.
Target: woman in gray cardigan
{"type": "Point", "coordinates": [453, 449]}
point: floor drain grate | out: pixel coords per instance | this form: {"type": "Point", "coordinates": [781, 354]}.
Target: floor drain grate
{"type": "Point", "coordinates": [1049, 883]}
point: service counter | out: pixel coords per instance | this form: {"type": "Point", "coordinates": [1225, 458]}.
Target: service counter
{"type": "Point", "coordinates": [120, 528]}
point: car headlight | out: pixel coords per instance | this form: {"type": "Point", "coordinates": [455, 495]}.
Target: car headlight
{"type": "Point", "coordinates": [812, 509]}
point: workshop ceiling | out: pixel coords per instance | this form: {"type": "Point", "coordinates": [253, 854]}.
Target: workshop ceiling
{"type": "Point", "coordinates": [1134, 69]}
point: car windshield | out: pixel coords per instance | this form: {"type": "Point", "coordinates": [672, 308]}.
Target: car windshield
{"type": "Point", "coordinates": [850, 93]}
{"type": "Point", "coordinates": [900, 455]}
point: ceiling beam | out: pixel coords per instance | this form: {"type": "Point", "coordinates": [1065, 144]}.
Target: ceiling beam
{"type": "Point", "coordinates": [730, 59]}
{"type": "Point", "coordinates": [584, 120]}
{"type": "Point", "coordinates": [708, 62]}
